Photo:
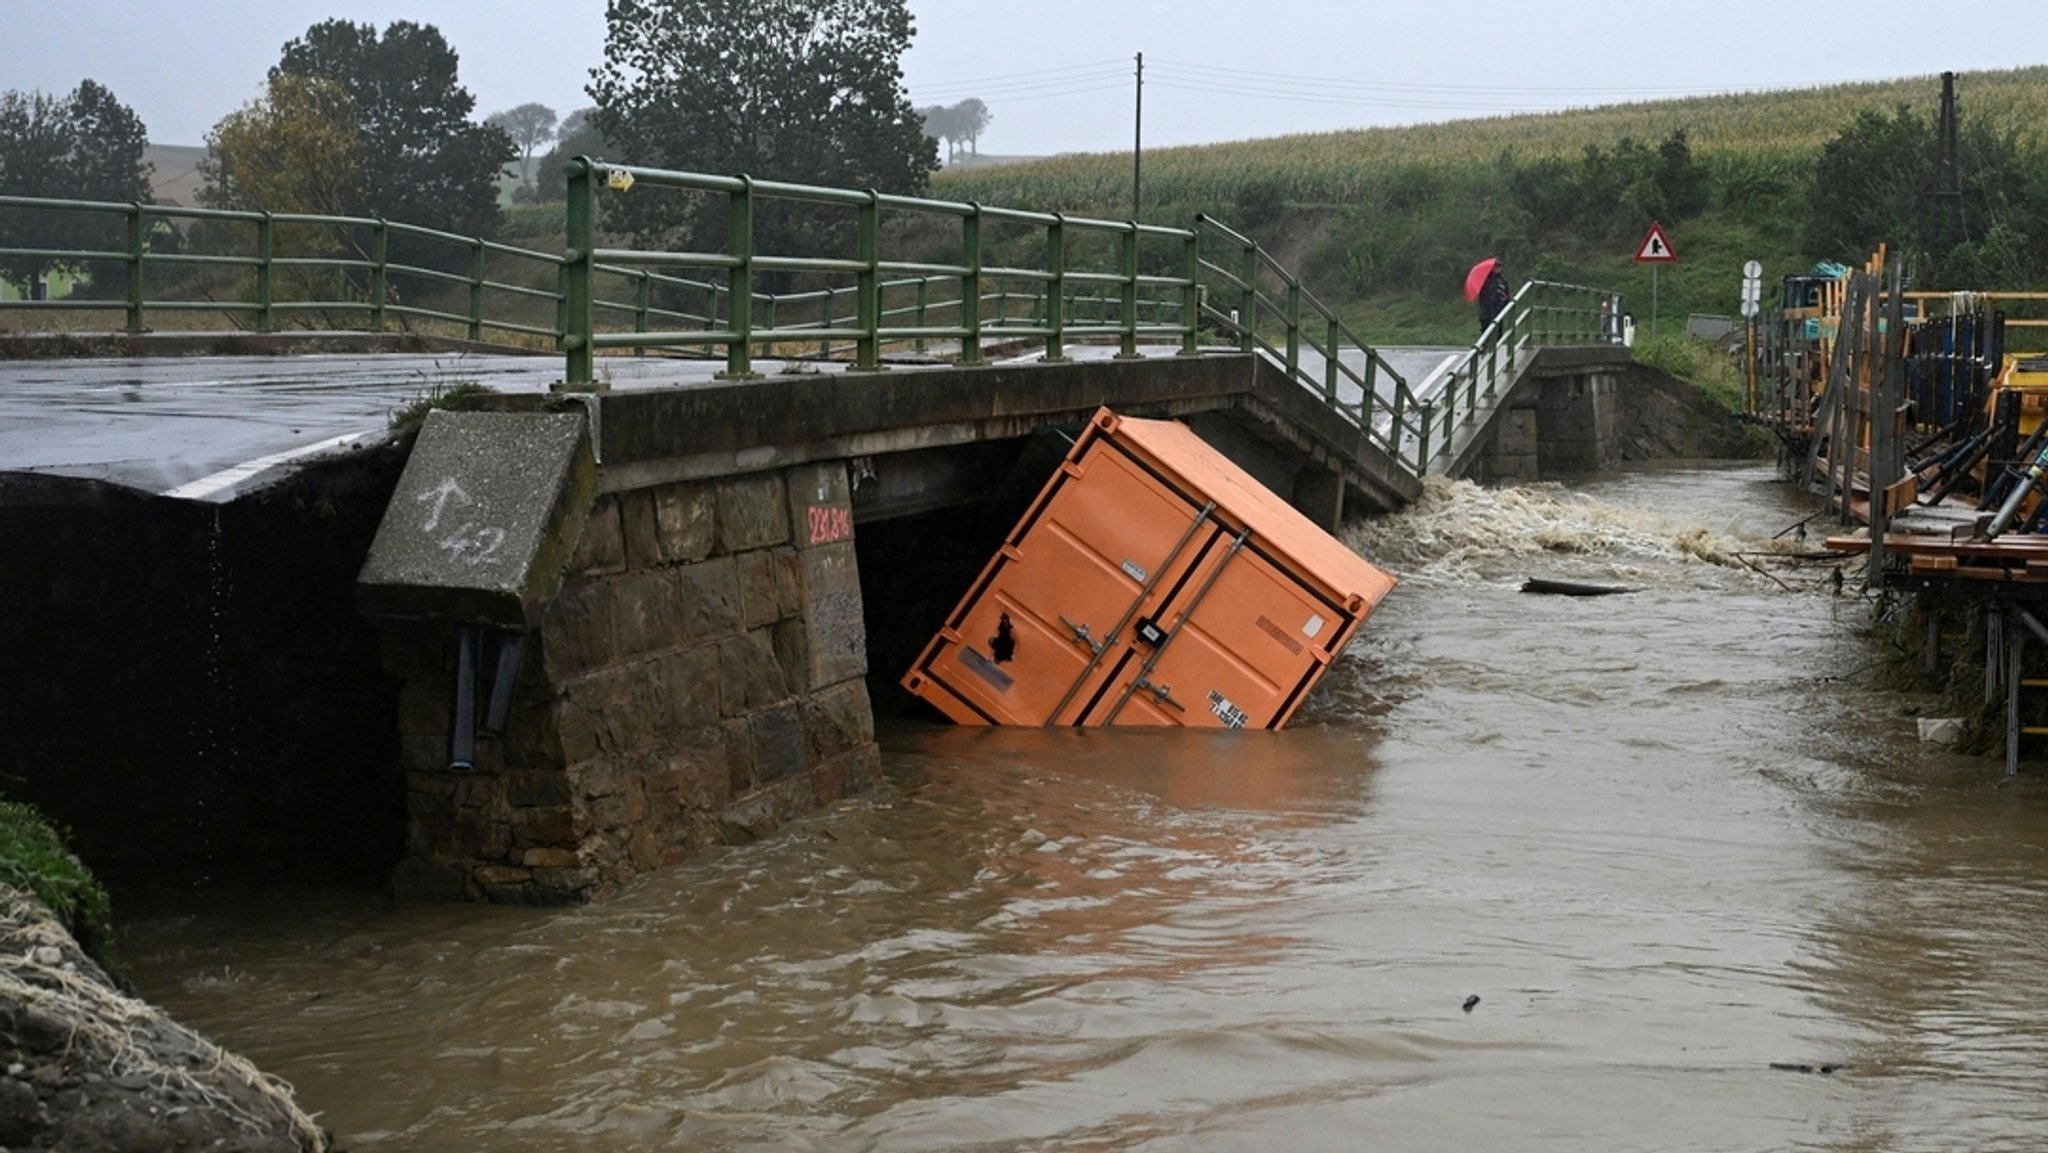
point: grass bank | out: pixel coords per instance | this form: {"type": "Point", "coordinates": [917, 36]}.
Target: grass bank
{"type": "Point", "coordinates": [34, 857]}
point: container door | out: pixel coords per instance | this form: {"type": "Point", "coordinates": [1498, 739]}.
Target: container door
{"type": "Point", "coordinates": [1238, 646]}
{"type": "Point", "coordinates": [1054, 610]}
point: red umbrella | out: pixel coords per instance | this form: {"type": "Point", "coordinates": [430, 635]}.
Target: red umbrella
{"type": "Point", "coordinates": [1476, 279]}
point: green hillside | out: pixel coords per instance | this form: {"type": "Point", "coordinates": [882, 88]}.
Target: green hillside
{"type": "Point", "coordinates": [1386, 220]}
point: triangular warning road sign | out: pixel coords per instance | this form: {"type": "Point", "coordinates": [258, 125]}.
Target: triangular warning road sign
{"type": "Point", "coordinates": [1656, 247]}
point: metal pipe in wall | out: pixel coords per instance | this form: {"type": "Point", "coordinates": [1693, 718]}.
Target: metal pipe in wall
{"type": "Point", "coordinates": [462, 722]}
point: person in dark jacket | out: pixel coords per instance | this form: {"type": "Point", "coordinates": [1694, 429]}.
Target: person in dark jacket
{"type": "Point", "coordinates": [1493, 297]}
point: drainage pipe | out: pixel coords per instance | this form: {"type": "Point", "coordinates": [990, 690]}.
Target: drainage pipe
{"type": "Point", "coordinates": [462, 725]}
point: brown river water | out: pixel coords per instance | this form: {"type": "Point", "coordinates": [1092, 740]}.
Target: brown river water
{"type": "Point", "coordinates": [1670, 840]}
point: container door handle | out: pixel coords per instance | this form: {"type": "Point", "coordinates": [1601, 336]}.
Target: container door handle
{"type": "Point", "coordinates": [1161, 693]}
{"type": "Point", "coordinates": [1082, 635]}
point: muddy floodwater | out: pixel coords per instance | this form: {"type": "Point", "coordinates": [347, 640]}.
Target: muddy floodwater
{"type": "Point", "coordinates": [1707, 888]}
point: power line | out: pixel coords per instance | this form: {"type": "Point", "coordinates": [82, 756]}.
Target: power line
{"type": "Point", "coordinates": [1049, 77]}
{"type": "Point", "coordinates": [1088, 67]}
{"type": "Point", "coordinates": [1122, 84]}
{"type": "Point", "coordinates": [1020, 88]}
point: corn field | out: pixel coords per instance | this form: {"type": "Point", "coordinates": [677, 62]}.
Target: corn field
{"type": "Point", "coordinates": [1754, 136]}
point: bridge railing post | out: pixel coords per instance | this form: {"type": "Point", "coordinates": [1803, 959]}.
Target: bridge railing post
{"type": "Point", "coordinates": [1191, 293]}
{"type": "Point", "coordinates": [768, 322]}
{"type": "Point", "coordinates": [1293, 327]}
{"type": "Point", "coordinates": [476, 290]}
{"type": "Point", "coordinates": [1492, 368]}
{"type": "Point", "coordinates": [825, 299]}
{"type": "Point", "coordinates": [739, 279]}
{"type": "Point", "coordinates": [868, 285]}
{"type": "Point", "coordinates": [924, 301]}
{"type": "Point", "coordinates": [380, 272]}
{"type": "Point", "coordinates": [1422, 438]}
{"type": "Point", "coordinates": [1248, 322]}
{"type": "Point", "coordinates": [577, 269]}
{"type": "Point", "coordinates": [1331, 335]}
{"type": "Point", "coordinates": [643, 300]}
{"type": "Point", "coordinates": [970, 286]}
{"type": "Point", "coordinates": [1056, 288]}
{"type": "Point", "coordinates": [138, 232]}
{"type": "Point", "coordinates": [1503, 339]}
{"type": "Point", "coordinates": [266, 238]}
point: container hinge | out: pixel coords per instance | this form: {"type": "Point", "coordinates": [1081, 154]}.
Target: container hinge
{"type": "Point", "coordinates": [1161, 693]}
{"type": "Point", "coordinates": [1082, 635]}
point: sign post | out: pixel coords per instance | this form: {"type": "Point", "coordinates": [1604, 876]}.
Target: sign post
{"type": "Point", "coordinates": [1655, 250]}
{"type": "Point", "coordinates": [1752, 294]}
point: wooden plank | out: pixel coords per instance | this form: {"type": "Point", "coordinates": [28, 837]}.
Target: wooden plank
{"type": "Point", "coordinates": [1999, 575]}
{"type": "Point", "coordinates": [2017, 549]}
{"type": "Point", "coordinates": [1901, 496]}
{"type": "Point", "coordinates": [1931, 564]}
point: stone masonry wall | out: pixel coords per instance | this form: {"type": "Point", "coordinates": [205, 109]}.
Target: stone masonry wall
{"type": "Point", "coordinates": [1575, 417]}
{"type": "Point", "coordinates": [699, 679]}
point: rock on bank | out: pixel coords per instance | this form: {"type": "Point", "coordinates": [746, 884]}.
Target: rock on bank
{"type": "Point", "coordinates": [88, 1067]}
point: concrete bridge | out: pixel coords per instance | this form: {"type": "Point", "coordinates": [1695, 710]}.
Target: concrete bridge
{"type": "Point", "coordinates": [626, 607]}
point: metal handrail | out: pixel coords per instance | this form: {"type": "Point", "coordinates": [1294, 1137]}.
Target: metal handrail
{"type": "Point", "coordinates": [965, 300]}
{"type": "Point", "coordinates": [1222, 286]}
{"type": "Point", "coordinates": [370, 263]}
{"type": "Point", "coordinates": [1386, 409]}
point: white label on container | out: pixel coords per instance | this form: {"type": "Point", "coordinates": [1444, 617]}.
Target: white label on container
{"type": "Point", "coordinates": [1132, 570]}
{"type": "Point", "coordinates": [1225, 711]}
{"type": "Point", "coordinates": [1313, 627]}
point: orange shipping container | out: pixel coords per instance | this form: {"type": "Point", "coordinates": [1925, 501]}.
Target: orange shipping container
{"type": "Point", "coordinates": [1152, 582]}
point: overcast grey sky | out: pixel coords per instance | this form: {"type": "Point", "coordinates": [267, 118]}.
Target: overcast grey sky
{"type": "Point", "coordinates": [1057, 73]}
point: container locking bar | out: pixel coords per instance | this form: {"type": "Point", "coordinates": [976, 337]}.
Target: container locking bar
{"type": "Point", "coordinates": [1145, 588]}
{"type": "Point", "coordinates": [1143, 679]}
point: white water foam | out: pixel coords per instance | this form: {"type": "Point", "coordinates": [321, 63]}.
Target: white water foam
{"type": "Point", "coordinates": [1459, 532]}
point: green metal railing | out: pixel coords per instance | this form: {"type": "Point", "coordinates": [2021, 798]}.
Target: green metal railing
{"type": "Point", "coordinates": [1271, 312]}
{"type": "Point", "coordinates": [1082, 281]}
{"type": "Point", "coordinates": [894, 298]}
{"type": "Point", "coordinates": [352, 252]}
{"type": "Point", "coordinates": [969, 302]}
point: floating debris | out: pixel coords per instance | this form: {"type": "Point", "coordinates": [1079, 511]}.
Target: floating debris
{"type": "Point", "coordinates": [1553, 588]}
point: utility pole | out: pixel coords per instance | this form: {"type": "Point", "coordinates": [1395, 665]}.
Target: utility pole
{"type": "Point", "coordinates": [1948, 190]}
{"type": "Point", "coordinates": [1138, 145]}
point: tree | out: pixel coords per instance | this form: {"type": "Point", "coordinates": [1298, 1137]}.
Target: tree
{"type": "Point", "coordinates": [423, 160]}
{"type": "Point", "coordinates": [578, 136]}
{"type": "Point", "coordinates": [1609, 194]}
{"type": "Point", "coordinates": [971, 118]}
{"type": "Point", "coordinates": [941, 125]}
{"type": "Point", "coordinates": [529, 126]}
{"type": "Point", "coordinates": [84, 146]}
{"type": "Point", "coordinates": [808, 91]}
{"type": "Point", "coordinates": [1875, 183]}
{"type": "Point", "coordinates": [297, 149]}
{"type": "Point", "coordinates": [1871, 185]}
